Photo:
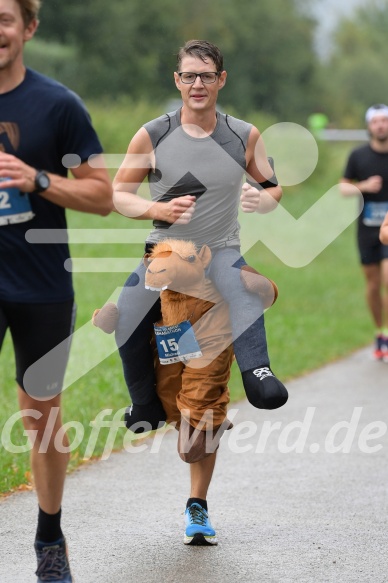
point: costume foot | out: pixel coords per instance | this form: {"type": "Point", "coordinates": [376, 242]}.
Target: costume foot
{"type": "Point", "coordinates": [263, 389]}
{"type": "Point", "coordinates": [141, 418]}
{"type": "Point", "coordinates": [106, 318]}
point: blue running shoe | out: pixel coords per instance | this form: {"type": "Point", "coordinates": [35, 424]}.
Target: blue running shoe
{"type": "Point", "coordinates": [53, 564]}
{"type": "Point", "coordinates": [198, 531]}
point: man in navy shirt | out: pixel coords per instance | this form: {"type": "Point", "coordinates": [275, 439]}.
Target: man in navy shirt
{"type": "Point", "coordinates": [367, 169]}
{"type": "Point", "coordinates": [43, 125]}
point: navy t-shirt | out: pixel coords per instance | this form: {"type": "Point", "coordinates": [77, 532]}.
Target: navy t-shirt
{"type": "Point", "coordinates": [363, 163]}
{"type": "Point", "coordinates": [40, 122]}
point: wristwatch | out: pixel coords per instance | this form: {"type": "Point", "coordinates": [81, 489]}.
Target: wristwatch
{"type": "Point", "coordinates": [42, 181]}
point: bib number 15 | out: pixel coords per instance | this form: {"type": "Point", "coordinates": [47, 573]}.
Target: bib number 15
{"type": "Point", "coordinates": [169, 345]}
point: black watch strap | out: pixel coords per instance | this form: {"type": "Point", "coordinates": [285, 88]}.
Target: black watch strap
{"type": "Point", "coordinates": [42, 181]}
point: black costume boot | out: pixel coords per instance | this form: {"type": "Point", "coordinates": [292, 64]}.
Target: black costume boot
{"type": "Point", "coordinates": [263, 389]}
{"type": "Point", "coordinates": [141, 418]}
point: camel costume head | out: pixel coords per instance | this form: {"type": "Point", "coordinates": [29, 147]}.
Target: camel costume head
{"type": "Point", "coordinates": [177, 270]}
{"type": "Point", "coordinates": [176, 262]}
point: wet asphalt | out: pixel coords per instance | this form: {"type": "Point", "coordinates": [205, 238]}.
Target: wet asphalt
{"type": "Point", "coordinates": [298, 495]}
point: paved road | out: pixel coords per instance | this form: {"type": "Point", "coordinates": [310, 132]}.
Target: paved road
{"type": "Point", "coordinates": [299, 495]}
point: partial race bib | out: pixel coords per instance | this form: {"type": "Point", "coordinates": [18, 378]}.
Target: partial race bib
{"type": "Point", "coordinates": [176, 343]}
{"type": "Point", "coordinates": [15, 206]}
{"type": "Point", "coordinates": [374, 213]}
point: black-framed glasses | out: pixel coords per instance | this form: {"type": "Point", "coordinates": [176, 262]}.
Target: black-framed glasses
{"type": "Point", "coordinates": [206, 78]}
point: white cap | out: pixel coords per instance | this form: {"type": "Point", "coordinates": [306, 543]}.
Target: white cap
{"type": "Point", "coordinates": [378, 109]}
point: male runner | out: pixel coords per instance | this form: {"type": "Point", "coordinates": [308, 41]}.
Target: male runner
{"type": "Point", "coordinates": [195, 160]}
{"type": "Point", "coordinates": [367, 169]}
{"type": "Point", "coordinates": [41, 121]}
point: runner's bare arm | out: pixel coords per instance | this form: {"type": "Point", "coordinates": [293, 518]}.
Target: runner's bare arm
{"type": "Point", "coordinates": [259, 170]}
{"type": "Point", "coordinates": [350, 187]}
{"type": "Point", "coordinates": [137, 163]}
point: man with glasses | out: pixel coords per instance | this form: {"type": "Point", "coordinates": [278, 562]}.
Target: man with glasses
{"type": "Point", "coordinates": [195, 159]}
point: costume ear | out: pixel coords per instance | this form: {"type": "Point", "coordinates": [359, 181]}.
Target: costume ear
{"type": "Point", "coordinates": [205, 255]}
{"type": "Point", "coordinates": [147, 259]}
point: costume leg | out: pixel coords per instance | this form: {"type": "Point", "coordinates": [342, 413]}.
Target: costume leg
{"type": "Point", "coordinates": [262, 388]}
{"type": "Point", "coordinates": [138, 310]}
{"type": "Point", "coordinates": [203, 402]}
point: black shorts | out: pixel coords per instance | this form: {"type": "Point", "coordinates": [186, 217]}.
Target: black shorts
{"type": "Point", "coordinates": [369, 245]}
{"type": "Point", "coordinates": [36, 329]}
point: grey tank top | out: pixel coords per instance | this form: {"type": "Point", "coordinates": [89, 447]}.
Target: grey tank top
{"type": "Point", "coordinates": [211, 168]}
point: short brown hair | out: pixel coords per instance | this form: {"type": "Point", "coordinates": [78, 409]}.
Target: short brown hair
{"type": "Point", "coordinates": [29, 9]}
{"type": "Point", "coordinates": [202, 49]}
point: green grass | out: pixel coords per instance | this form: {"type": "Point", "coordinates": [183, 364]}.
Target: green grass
{"type": "Point", "coordinates": [319, 317]}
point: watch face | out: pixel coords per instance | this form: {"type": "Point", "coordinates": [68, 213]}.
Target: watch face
{"type": "Point", "coordinates": [42, 181]}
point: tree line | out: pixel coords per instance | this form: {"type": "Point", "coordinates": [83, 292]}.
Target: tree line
{"type": "Point", "coordinates": [107, 50]}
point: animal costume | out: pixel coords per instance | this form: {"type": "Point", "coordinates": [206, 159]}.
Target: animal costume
{"type": "Point", "coordinates": [193, 390]}
{"type": "Point", "coordinates": [192, 387]}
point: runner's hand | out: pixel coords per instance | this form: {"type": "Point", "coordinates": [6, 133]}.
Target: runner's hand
{"type": "Point", "coordinates": [20, 174]}
{"type": "Point", "coordinates": [250, 198]}
{"type": "Point", "coordinates": [372, 184]}
{"type": "Point", "coordinates": [178, 211]}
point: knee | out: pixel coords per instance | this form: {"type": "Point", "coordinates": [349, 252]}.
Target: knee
{"type": "Point", "coordinates": [373, 287]}
{"type": "Point", "coordinates": [37, 422]}
{"type": "Point", "coordinates": [194, 445]}
{"type": "Point", "coordinates": [45, 431]}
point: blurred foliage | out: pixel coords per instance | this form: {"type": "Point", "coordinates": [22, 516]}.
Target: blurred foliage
{"type": "Point", "coordinates": [354, 77]}
{"type": "Point", "coordinates": [54, 59]}
{"type": "Point", "coordinates": [129, 48]}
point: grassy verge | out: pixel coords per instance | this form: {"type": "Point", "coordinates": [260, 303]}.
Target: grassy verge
{"type": "Point", "coordinates": [319, 317]}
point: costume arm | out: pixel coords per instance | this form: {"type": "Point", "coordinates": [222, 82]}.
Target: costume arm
{"type": "Point", "coordinates": [260, 171]}
{"type": "Point", "coordinates": [132, 172]}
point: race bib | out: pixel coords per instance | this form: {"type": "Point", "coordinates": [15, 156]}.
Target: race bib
{"type": "Point", "coordinates": [176, 343]}
{"type": "Point", "coordinates": [374, 213]}
{"type": "Point", "coordinates": [15, 207]}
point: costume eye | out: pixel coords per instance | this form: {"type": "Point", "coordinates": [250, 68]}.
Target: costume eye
{"type": "Point", "coordinates": [191, 258]}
